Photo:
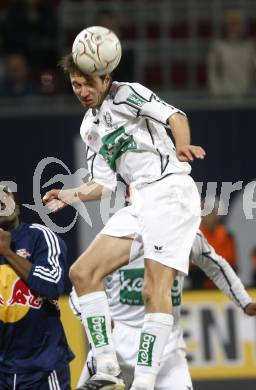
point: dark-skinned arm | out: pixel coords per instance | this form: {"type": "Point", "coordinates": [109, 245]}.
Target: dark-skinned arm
{"type": "Point", "coordinates": [20, 265]}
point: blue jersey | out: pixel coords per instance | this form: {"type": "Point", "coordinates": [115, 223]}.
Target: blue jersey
{"type": "Point", "coordinates": [31, 334]}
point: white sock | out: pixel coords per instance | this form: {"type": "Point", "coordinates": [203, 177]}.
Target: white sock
{"type": "Point", "coordinates": [154, 336]}
{"type": "Point", "coordinates": [97, 322]}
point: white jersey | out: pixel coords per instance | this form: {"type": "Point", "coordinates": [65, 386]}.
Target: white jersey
{"type": "Point", "coordinates": [127, 135]}
{"type": "Point", "coordinates": [124, 286]}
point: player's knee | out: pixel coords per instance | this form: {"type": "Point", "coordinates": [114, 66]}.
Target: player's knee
{"type": "Point", "coordinates": [82, 274]}
{"type": "Point", "coordinates": [74, 274]}
{"type": "Point", "coordinates": [79, 274]}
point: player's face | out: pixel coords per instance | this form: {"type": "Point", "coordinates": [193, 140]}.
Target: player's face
{"type": "Point", "coordinates": [9, 211]}
{"type": "Point", "coordinates": [90, 91]}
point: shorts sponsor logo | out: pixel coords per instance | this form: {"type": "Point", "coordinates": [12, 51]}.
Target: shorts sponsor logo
{"type": "Point", "coordinates": [97, 329]}
{"type": "Point", "coordinates": [146, 348]}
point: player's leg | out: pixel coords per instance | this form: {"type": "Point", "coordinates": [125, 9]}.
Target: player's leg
{"type": "Point", "coordinates": [158, 321]}
{"type": "Point", "coordinates": [103, 256]}
{"type": "Point", "coordinates": [109, 251]}
{"type": "Point", "coordinates": [169, 213]}
{"type": "Point", "coordinates": [126, 351]}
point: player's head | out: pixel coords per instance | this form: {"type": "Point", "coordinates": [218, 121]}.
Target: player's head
{"type": "Point", "coordinates": [9, 209]}
{"type": "Point", "coordinates": [91, 90]}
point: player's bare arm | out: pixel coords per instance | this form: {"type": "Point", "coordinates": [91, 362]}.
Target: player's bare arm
{"type": "Point", "coordinates": [56, 200]}
{"type": "Point", "coordinates": [181, 132]}
{"type": "Point", "coordinates": [19, 264]}
{"type": "Point", "coordinates": [250, 309]}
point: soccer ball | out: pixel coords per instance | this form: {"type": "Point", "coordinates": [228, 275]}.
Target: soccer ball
{"type": "Point", "coordinates": [96, 51]}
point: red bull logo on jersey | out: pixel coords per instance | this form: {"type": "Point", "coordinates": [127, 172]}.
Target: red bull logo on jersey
{"type": "Point", "coordinates": [16, 298]}
{"type": "Point", "coordinates": [22, 295]}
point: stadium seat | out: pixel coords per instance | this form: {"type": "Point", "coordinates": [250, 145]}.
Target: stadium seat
{"type": "Point", "coordinates": [179, 74]}
{"type": "Point", "coordinates": [129, 32]}
{"type": "Point", "coordinates": [204, 29]}
{"type": "Point", "coordinates": [201, 75]}
{"type": "Point", "coordinates": [178, 30]}
{"type": "Point", "coordinates": [153, 31]}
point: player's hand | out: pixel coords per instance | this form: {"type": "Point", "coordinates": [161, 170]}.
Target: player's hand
{"type": "Point", "coordinates": [187, 153]}
{"type": "Point", "coordinates": [57, 200]}
{"type": "Point", "coordinates": [5, 242]}
{"type": "Point", "coordinates": [250, 309]}
{"type": "Point", "coordinates": [52, 201]}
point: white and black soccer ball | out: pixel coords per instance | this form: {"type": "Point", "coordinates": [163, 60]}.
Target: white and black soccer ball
{"type": "Point", "coordinates": [96, 50]}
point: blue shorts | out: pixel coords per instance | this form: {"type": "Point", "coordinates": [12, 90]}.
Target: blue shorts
{"type": "Point", "coordinates": [55, 380]}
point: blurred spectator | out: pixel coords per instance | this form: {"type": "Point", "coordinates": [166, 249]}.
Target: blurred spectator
{"type": "Point", "coordinates": [49, 83]}
{"type": "Point", "coordinates": [126, 68]}
{"type": "Point", "coordinates": [231, 60]}
{"type": "Point", "coordinates": [220, 238]}
{"type": "Point", "coordinates": [17, 81]}
{"type": "Point", "coordinates": [30, 28]}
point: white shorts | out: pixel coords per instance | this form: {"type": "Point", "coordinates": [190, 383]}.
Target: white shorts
{"type": "Point", "coordinates": [173, 373]}
{"type": "Point", "coordinates": [165, 215]}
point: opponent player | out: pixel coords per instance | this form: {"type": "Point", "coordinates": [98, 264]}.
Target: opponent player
{"type": "Point", "coordinates": [124, 129]}
{"type": "Point", "coordinates": [123, 288]}
{"type": "Point", "coordinates": [34, 353]}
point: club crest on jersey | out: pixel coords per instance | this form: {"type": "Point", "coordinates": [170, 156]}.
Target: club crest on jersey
{"type": "Point", "coordinates": [108, 119]}
{"type": "Point", "coordinates": [23, 253]}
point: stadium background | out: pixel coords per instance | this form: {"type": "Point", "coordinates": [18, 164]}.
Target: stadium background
{"type": "Point", "coordinates": [169, 40]}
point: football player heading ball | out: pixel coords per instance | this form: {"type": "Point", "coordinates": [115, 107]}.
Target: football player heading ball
{"type": "Point", "coordinates": [165, 210]}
